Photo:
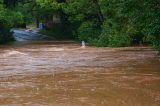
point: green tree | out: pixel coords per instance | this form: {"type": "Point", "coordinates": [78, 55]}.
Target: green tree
{"type": "Point", "coordinates": [8, 18]}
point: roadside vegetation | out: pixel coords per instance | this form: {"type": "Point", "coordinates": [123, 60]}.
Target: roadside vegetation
{"type": "Point", "coordinates": [113, 23]}
{"type": "Point", "coordinates": [8, 19]}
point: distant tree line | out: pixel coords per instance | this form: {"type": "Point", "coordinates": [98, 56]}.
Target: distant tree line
{"type": "Point", "coordinates": [112, 23]}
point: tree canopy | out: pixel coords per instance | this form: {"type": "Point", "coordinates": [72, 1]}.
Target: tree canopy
{"type": "Point", "coordinates": [99, 22]}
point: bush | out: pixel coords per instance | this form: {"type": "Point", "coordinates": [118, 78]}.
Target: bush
{"type": "Point", "coordinates": [5, 34]}
{"type": "Point", "coordinates": [58, 31]}
{"type": "Point", "coordinates": [112, 38]}
{"type": "Point", "coordinates": [8, 18]}
{"type": "Point", "coordinates": [88, 31]}
{"type": "Point", "coordinates": [119, 40]}
{"type": "Point", "coordinates": [102, 41]}
{"type": "Point", "coordinates": [156, 45]}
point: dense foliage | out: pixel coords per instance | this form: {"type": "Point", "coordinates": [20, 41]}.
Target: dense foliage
{"type": "Point", "coordinates": [98, 22]}
{"type": "Point", "coordinates": [8, 18]}
{"type": "Point", "coordinates": [111, 22]}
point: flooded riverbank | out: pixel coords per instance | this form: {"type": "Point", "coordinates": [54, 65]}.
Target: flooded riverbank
{"type": "Point", "coordinates": [64, 74]}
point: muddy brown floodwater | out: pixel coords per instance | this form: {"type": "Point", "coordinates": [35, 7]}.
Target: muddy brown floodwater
{"type": "Point", "coordinates": [63, 74]}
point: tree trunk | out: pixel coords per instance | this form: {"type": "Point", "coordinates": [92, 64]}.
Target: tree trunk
{"type": "Point", "coordinates": [99, 13]}
{"type": "Point", "coordinates": [37, 22]}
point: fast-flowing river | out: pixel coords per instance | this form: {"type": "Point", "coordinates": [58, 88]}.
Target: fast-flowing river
{"type": "Point", "coordinates": [50, 73]}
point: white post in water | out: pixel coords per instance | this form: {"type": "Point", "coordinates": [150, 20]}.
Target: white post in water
{"type": "Point", "coordinates": [83, 44]}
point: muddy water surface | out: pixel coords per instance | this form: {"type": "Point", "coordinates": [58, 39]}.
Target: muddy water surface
{"type": "Point", "coordinates": [63, 74]}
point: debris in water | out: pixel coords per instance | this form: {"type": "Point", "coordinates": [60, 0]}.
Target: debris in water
{"type": "Point", "coordinates": [83, 44]}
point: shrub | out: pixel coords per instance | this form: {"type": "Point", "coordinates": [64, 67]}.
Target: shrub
{"type": "Point", "coordinates": [156, 45]}
{"type": "Point", "coordinates": [88, 31]}
{"type": "Point", "coordinates": [119, 40]}
{"type": "Point", "coordinates": [6, 36]}
{"type": "Point", "coordinates": [103, 39]}
{"type": "Point", "coordinates": [8, 18]}
{"type": "Point", "coordinates": [111, 37]}
{"type": "Point", "coordinates": [58, 31]}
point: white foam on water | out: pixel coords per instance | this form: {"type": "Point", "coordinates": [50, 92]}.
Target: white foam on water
{"type": "Point", "coordinates": [54, 49]}
{"type": "Point", "coordinates": [10, 53]}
